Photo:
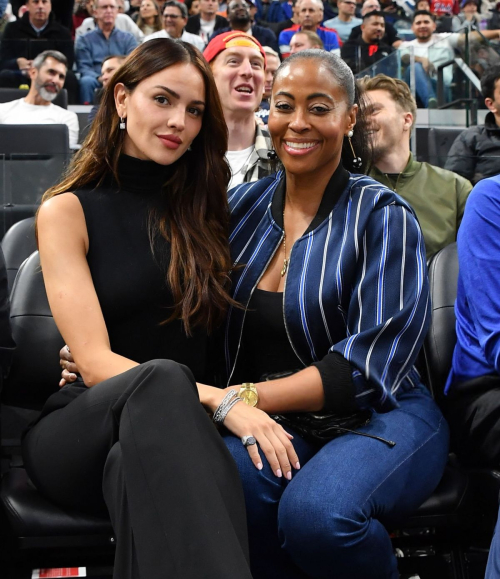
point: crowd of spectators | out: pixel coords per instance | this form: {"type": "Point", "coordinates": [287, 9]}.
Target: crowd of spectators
{"type": "Point", "coordinates": [362, 32]}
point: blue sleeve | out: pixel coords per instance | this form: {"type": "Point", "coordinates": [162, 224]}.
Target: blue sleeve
{"type": "Point", "coordinates": [84, 60]}
{"type": "Point", "coordinates": [130, 43]}
{"type": "Point", "coordinates": [479, 260]}
{"type": "Point", "coordinates": [389, 311]}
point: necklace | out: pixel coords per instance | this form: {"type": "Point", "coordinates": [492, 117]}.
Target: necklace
{"type": "Point", "coordinates": [285, 261]}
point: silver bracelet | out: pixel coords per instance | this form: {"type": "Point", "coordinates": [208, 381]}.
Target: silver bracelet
{"type": "Point", "coordinates": [227, 409]}
{"type": "Point", "coordinates": [227, 398]}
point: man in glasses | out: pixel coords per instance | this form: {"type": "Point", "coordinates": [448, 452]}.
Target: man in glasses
{"type": "Point", "coordinates": [346, 19]}
{"type": "Point", "coordinates": [175, 17]}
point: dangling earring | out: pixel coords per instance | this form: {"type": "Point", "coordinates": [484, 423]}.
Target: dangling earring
{"type": "Point", "coordinates": [356, 161]}
{"type": "Point", "coordinates": [122, 123]}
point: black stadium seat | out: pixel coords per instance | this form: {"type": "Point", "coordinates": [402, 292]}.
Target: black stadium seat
{"type": "Point", "coordinates": [17, 245]}
{"type": "Point", "coordinates": [32, 159]}
{"type": "Point", "coordinates": [440, 140]}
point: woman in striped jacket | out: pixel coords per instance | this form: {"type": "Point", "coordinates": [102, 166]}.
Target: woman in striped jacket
{"type": "Point", "coordinates": [330, 267]}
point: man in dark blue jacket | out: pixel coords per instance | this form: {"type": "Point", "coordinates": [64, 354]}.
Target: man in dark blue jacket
{"type": "Point", "coordinates": [238, 13]}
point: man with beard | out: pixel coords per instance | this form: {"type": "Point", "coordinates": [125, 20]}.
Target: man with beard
{"type": "Point", "coordinates": [360, 53]}
{"type": "Point", "coordinates": [238, 13]}
{"type": "Point", "coordinates": [47, 75]}
{"type": "Point", "coordinates": [438, 196]}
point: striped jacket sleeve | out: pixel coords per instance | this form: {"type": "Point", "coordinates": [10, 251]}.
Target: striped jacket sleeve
{"type": "Point", "coordinates": [389, 306]}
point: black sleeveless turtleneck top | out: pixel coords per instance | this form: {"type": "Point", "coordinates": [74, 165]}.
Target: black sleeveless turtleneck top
{"type": "Point", "coordinates": [128, 278]}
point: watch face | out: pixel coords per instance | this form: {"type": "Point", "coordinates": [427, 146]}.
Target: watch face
{"type": "Point", "coordinates": [249, 397]}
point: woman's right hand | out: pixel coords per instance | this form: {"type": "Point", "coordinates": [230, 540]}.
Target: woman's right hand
{"type": "Point", "coordinates": [272, 438]}
{"type": "Point", "coordinates": [70, 372]}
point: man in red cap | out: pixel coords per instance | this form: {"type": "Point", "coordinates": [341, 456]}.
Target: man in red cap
{"type": "Point", "coordinates": [238, 63]}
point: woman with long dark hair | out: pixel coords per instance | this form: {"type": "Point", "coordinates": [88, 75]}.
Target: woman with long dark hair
{"type": "Point", "coordinates": [135, 258]}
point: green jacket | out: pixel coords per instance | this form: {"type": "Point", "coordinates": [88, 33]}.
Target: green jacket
{"type": "Point", "coordinates": [438, 197]}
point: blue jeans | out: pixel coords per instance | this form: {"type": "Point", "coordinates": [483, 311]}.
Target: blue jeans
{"type": "Point", "coordinates": [88, 85]}
{"type": "Point", "coordinates": [425, 87]}
{"type": "Point", "coordinates": [493, 567]}
{"type": "Point", "coordinates": [330, 519]}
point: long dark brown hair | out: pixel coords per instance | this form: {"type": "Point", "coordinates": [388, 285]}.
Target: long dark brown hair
{"type": "Point", "coordinates": [195, 214]}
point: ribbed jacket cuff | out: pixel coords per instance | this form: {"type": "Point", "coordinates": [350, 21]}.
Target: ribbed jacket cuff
{"type": "Point", "coordinates": [336, 375]}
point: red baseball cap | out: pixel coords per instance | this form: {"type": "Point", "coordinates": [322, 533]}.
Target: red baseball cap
{"type": "Point", "coordinates": [230, 40]}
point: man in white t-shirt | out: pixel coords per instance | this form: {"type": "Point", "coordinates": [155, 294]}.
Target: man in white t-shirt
{"type": "Point", "coordinates": [238, 64]}
{"type": "Point", "coordinates": [47, 74]}
{"type": "Point", "coordinates": [175, 17]}
{"type": "Point", "coordinates": [432, 49]}
{"type": "Point", "coordinates": [207, 21]}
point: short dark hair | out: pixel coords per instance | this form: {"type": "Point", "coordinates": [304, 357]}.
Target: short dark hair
{"type": "Point", "coordinates": [422, 13]}
{"type": "Point", "coordinates": [182, 7]}
{"type": "Point", "coordinates": [488, 81]}
{"type": "Point", "coordinates": [373, 13]}
{"type": "Point", "coordinates": [119, 57]}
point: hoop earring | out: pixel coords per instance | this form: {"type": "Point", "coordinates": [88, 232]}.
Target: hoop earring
{"type": "Point", "coordinates": [122, 124]}
{"type": "Point", "coordinates": [357, 163]}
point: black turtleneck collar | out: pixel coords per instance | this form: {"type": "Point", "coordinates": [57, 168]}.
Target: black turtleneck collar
{"type": "Point", "coordinates": [333, 191]}
{"type": "Point", "coordinates": [137, 176]}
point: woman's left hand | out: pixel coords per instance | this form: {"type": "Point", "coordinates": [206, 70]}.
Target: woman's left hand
{"type": "Point", "coordinates": [272, 438]}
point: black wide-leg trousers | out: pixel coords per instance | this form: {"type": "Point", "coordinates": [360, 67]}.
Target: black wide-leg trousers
{"type": "Point", "coordinates": [141, 445]}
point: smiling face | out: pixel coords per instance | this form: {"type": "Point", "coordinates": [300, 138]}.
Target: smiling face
{"type": "Point", "coordinates": [173, 21]}
{"type": "Point", "coordinates": [163, 114]}
{"type": "Point", "coordinates": [309, 118]}
{"type": "Point", "coordinates": [49, 80]}
{"type": "Point", "coordinates": [373, 29]}
{"type": "Point", "coordinates": [388, 124]}
{"type": "Point", "coordinates": [239, 76]}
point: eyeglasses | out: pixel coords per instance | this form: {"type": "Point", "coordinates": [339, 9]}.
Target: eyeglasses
{"type": "Point", "coordinates": [172, 16]}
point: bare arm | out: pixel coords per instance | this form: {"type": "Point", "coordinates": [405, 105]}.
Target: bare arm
{"type": "Point", "coordinates": [70, 290]}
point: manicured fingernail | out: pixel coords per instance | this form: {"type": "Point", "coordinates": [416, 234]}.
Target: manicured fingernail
{"type": "Point", "coordinates": [289, 475]}
{"type": "Point", "coordinates": [259, 465]}
{"type": "Point", "coordinates": [297, 465]}
{"type": "Point", "coordinates": [279, 473]}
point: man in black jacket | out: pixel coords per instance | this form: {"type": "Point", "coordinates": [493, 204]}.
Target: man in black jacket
{"type": "Point", "coordinates": [238, 12]}
{"type": "Point", "coordinates": [475, 154]}
{"type": "Point", "coordinates": [359, 53]}
{"type": "Point", "coordinates": [207, 21]}
{"type": "Point", "coordinates": [26, 38]}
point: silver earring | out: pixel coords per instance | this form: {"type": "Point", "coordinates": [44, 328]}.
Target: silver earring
{"type": "Point", "coordinates": [357, 163]}
{"type": "Point", "coordinates": [122, 123]}
{"type": "Point", "coordinates": [189, 148]}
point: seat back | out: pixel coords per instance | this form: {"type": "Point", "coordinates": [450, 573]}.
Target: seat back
{"type": "Point", "coordinates": [440, 141]}
{"type": "Point", "coordinates": [11, 94]}
{"type": "Point", "coordinates": [17, 245]}
{"type": "Point", "coordinates": [32, 159]}
{"type": "Point", "coordinates": [35, 371]}
{"type": "Point", "coordinates": [441, 338]}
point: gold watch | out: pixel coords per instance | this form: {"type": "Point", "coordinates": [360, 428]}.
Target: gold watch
{"type": "Point", "coordinates": [248, 393]}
